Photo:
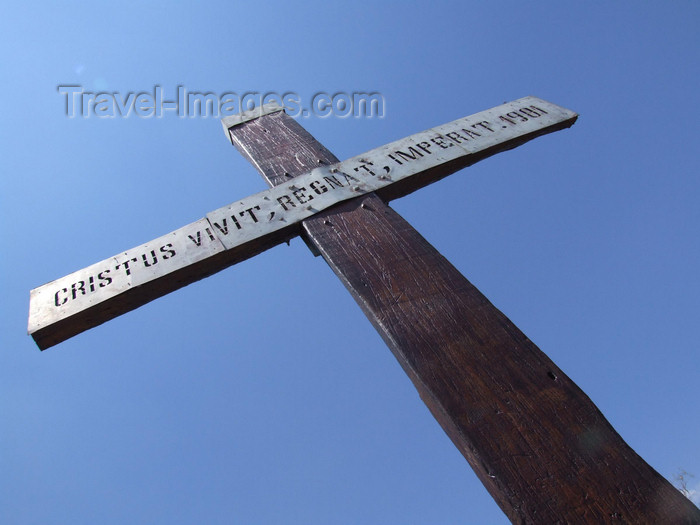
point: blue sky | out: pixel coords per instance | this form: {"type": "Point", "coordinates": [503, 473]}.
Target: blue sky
{"type": "Point", "coordinates": [262, 394]}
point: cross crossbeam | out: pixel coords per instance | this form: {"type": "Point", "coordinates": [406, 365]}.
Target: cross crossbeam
{"type": "Point", "coordinates": [86, 298]}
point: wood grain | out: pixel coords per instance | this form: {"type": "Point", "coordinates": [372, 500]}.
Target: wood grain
{"type": "Point", "coordinates": [536, 441]}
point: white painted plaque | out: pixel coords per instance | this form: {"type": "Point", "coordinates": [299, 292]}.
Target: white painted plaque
{"type": "Point", "coordinates": [121, 283]}
{"type": "Point", "coordinates": [100, 282]}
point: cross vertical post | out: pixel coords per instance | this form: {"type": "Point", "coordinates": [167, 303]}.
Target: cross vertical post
{"type": "Point", "coordinates": [539, 445]}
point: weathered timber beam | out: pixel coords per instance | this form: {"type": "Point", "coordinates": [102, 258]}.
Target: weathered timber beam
{"type": "Point", "coordinates": [536, 441]}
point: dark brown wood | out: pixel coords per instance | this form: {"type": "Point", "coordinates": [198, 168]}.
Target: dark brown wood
{"type": "Point", "coordinates": [536, 441]}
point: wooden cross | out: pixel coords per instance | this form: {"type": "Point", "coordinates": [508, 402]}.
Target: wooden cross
{"type": "Point", "coordinates": [535, 440]}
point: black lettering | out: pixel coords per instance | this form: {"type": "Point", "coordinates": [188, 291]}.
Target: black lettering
{"type": "Point", "coordinates": [349, 178]}
{"type": "Point", "coordinates": [285, 201]}
{"type": "Point", "coordinates": [440, 141]}
{"type": "Point", "coordinates": [153, 261]}
{"type": "Point", "coordinates": [167, 251]}
{"type": "Point", "coordinates": [395, 159]}
{"type": "Point", "coordinates": [235, 221]}
{"type": "Point", "coordinates": [333, 181]}
{"type": "Point", "coordinates": [197, 241]}
{"type": "Point", "coordinates": [424, 146]}
{"type": "Point", "coordinates": [125, 264]}
{"type": "Point", "coordinates": [223, 229]}
{"type": "Point", "coordinates": [506, 119]}
{"type": "Point", "coordinates": [101, 277]}
{"type": "Point", "coordinates": [413, 154]}
{"type": "Point", "coordinates": [364, 167]}
{"type": "Point", "coordinates": [515, 114]}
{"type": "Point", "coordinates": [77, 287]}
{"type": "Point", "coordinates": [249, 211]}
{"type": "Point", "coordinates": [65, 299]}
{"type": "Point", "coordinates": [482, 124]}
{"type": "Point", "coordinates": [301, 196]}
{"type": "Point", "coordinates": [453, 135]}
{"type": "Point", "coordinates": [530, 113]}
{"type": "Point", "coordinates": [210, 234]}
{"type": "Point", "coordinates": [318, 187]}
{"type": "Point", "coordinates": [92, 283]}
{"type": "Point", "coordinates": [471, 134]}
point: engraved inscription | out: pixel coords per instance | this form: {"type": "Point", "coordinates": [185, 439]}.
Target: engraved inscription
{"type": "Point", "coordinates": [264, 213]}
